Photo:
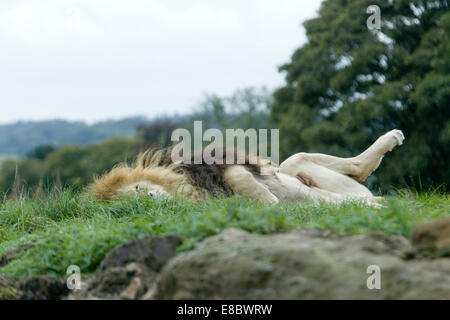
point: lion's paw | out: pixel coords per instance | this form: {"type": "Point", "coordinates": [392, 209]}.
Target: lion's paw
{"type": "Point", "coordinates": [393, 138]}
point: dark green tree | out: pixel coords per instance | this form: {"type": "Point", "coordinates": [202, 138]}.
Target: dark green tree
{"type": "Point", "coordinates": [158, 133]}
{"type": "Point", "coordinates": [40, 152]}
{"type": "Point", "coordinates": [348, 84]}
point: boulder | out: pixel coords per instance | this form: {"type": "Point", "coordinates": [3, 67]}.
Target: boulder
{"type": "Point", "coordinates": [129, 282]}
{"type": "Point", "coordinates": [301, 264]}
{"type": "Point", "coordinates": [129, 270]}
{"type": "Point", "coordinates": [32, 288]}
{"type": "Point", "coordinates": [151, 251]}
{"type": "Point", "coordinates": [433, 237]}
{"type": "Point", "coordinates": [42, 288]}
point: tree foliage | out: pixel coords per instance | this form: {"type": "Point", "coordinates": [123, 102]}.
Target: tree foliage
{"type": "Point", "coordinates": [347, 85]}
{"type": "Point", "coordinates": [41, 152]}
{"type": "Point", "coordinates": [66, 166]}
{"type": "Point", "coordinates": [244, 109]}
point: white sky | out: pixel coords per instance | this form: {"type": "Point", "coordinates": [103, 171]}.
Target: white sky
{"type": "Point", "coordinates": [99, 59]}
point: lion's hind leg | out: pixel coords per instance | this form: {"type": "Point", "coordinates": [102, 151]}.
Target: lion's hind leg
{"type": "Point", "coordinates": [317, 176]}
{"type": "Point", "coordinates": [357, 168]}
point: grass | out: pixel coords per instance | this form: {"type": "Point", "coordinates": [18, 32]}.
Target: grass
{"type": "Point", "coordinates": [67, 228]}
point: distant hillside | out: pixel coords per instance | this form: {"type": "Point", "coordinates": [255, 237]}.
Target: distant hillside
{"type": "Point", "coordinates": [21, 137]}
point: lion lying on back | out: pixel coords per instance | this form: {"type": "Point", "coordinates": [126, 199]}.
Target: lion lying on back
{"type": "Point", "coordinates": [303, 176]}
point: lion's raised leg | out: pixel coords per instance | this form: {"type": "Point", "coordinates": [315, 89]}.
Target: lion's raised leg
{"type": "Point", "coordinates": [368, 161]}
{"type": "Point", "coordinates": [358, 168]}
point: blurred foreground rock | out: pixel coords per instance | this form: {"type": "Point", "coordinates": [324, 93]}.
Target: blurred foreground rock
{"type": "Point", "coordinates": [305, 264]}
{"type": "Point", "coordinates": [129, 270]}
{"type": "Point", "coordinates": [433, 237]}
{"type": "Point", "coordinates": [32, 288]}
{"type": "Point", "coordinates": [299, 264]}
{"type": "Point", "coordinates": [152, 251]}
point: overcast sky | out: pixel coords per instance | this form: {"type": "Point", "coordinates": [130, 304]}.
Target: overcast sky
{"type": "Point", "coordinates": [100, 59]}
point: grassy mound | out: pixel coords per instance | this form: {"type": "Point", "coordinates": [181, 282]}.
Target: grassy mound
{"type": "Point", "coordinates": [67, 228]}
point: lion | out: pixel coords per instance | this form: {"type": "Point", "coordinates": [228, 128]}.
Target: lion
{"type": "Point", "coordinates": [301, 177]}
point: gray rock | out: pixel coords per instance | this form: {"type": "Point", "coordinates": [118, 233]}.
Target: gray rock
{"type": "Point", "coordinates": [42, 288]}
{"type": "Point", "coordinates": [129, 270]}
{"type": "Point", "coordinates": [302, 264]}
{"type": "Point", "coordinates": [32, 288]}
{"type": "Point", "coordinates": [129, 282]}
{"type": "Point", "coordinates": [151, 251]}
{"type": "Point", "coordinates": [433, 237]}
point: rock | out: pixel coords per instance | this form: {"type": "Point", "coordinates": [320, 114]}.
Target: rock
{"type": "Point", "coordinates": [32, 288]}
{"type": "Point", "coordinates": [433, 236]}
{"type": "Point", "coordinates": [301, 264]}
{"type": "Point", "coordinates": [129, 270]}
{"type": "Point", "coordinates": [151, 251]}
{"type": "Point", "coordinates": [134, 290]}
{"type": "Point", "coordinates": [129, 282]}
{"type": "Point", "coordinates": [42, 288]}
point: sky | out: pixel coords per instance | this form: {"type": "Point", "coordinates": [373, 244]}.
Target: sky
{"type": "Point", "coordinates": [94, 60]}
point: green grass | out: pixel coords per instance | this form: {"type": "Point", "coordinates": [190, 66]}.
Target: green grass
{"type": "Point", "coordinates": [67, 228]}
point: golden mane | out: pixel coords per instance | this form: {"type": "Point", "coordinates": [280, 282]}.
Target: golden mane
{"type": "Point", "coordinates": [153, 166]}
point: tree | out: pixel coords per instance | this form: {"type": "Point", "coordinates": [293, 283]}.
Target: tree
{"type": "Point", "coordinates": [158, 133]}
{"type": "Point", "coordinates": [245, 108]}
{"type": "Point", "coordinates": [17, 176]}
{"type": "Point", "coordinates": [77, 165]}
{"type": "Point", "coordinates": [40, 152]}
{"type": "Point", "coordinates": [348, 84]}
